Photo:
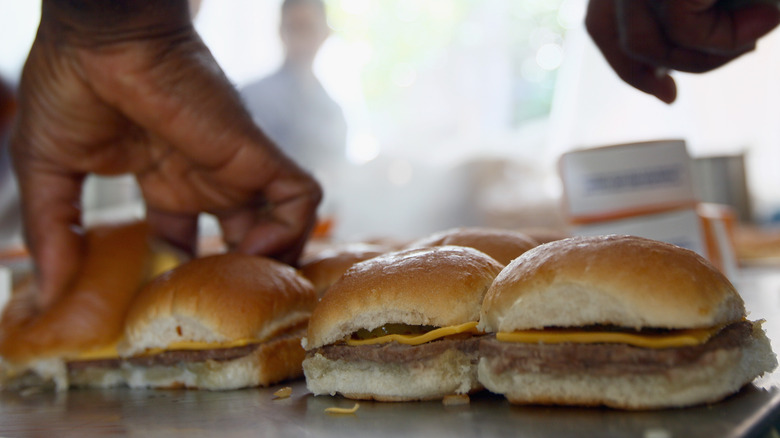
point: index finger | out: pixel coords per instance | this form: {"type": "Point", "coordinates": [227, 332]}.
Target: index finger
{"type": "Point", "coordinates": [279, 224]}
{"type": "Point", "coordinates": [601, 22]}
{"type": "Point", "coordinates": [50, 200]}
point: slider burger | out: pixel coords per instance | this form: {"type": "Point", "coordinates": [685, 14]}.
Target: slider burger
{"type": "Point", "coordinates": [218, 322]}
{"type": "Point", "coordinates": [324, 267]}
{"type": "Point", "coordinates": [618, 321]}
{"type": "Point", "coordinates": [86, 322]}
{"type": "Point", "coordinates": [503, 245]}
{"type": "Point", "coordinates": [400, 326]}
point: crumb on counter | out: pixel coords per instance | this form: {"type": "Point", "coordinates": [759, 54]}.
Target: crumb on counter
{"type": "Point", "coordinates": [283, 392]}
{"type": "Point", "coordinates": [657, 433]}
{"type": "Point", "coordinates": [455, 400]}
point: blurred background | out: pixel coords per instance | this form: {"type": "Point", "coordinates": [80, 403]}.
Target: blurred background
{"type": "Point", "coordinates": [457, 111]}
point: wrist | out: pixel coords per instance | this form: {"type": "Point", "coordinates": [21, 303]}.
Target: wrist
{"type": "Point", "coordinates": [96, 22]}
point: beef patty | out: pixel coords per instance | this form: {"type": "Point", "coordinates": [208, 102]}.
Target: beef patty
{"type": "Point", "coordinates": [393, 352]}
{"type": "Point", "coordinates": [607, 359]}
{"type": "Point", "coordinates": [168, 358]}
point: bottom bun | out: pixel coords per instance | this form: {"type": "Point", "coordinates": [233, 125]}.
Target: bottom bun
{"type": "Point", "coordinates": [97, 377]}
{"type": "Point", "coordinates": [269, 363]}
{"type": "Point", "coordinates": [730, 370]}
{"type": "Point", "coordinates": [451, 372]}
{"type": "Point", "coordinates": [41, 373]}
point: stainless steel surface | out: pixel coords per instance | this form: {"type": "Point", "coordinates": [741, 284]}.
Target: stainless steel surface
{"type": "Point", "coordinates": [255, 412]}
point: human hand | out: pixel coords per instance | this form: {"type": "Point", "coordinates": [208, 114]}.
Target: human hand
{"type": "Point", "coordinates": [132, 88]}
{"type": "Point", "coordinates": [643, 39]}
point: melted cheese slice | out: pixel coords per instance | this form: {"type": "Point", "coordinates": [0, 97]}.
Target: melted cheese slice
{"type": "Point", "coordinates": [110, 352]}
{"type": "Point", "coordinates": [107, 352]}
{"type": "Point", "coordinates": [192, 345]}
{"type": "Point", "coordinates": [676, 338]}
{"type": "Point", "coordinates": [469, 327]}
{"type": "Point", "coordinates": [163, 261]}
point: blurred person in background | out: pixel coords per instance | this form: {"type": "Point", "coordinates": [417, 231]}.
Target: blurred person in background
{"type": "Point", "coordinates": [10, 217]}
{"type": "Point", "coordinates": [642, 40]}
{"type": "Point", "coordinates": [292, 107]}
{"type": "Point", "coordinates": [128, 86]}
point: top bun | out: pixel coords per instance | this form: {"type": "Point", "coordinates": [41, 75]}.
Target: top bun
{"type": "Point", "coordinates": [327, 265]}
{"type": "Point", "coordinates": [118, 259]}
{"type": "Point", "coordinates": [218, 298]}
{"type": "Point", "coordinates": [438, 286]}
{"type": "Point", "coordinates": [502, 245]}
{"type": "Point", "coordinates": [623, 281]}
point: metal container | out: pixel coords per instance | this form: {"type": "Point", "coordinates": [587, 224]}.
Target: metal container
{"type": "Point", "coordinates": [722, 179]}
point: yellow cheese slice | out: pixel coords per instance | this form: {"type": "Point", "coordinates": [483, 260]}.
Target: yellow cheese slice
{"type": "Point", "coordinates": [110, 352]}
{"type": "Point", "coordinates": [192, 345]}
{"type": "Point", "coordinates": [163, 261]}
{"type": "Point", "coordinates": [676, 338]}
{"type": "Point", "coordinates": [107, 352]}
{"type": "Point", "coordinates": [469, 327]}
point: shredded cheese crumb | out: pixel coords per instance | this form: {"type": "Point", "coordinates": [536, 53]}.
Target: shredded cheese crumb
{"type": "Point", "coordinates": [351, 410]}
{"type": "Point", "coordinates": [455, 400]}
{"type": "Point", "coordinates": [33, 390]}
{"type": "Point", "coordinates": [283, 392]}
{"type": "Point", "coordinates": [657, 433]}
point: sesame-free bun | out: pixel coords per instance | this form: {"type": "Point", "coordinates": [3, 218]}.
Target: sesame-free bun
{"type": "Point", "coordinates": [324, 267]}
{"type": "Point", "coordinates": [118, 260]}
{"type": "Point", "coordinates": [269, 362]}
{"type": "Point", "coordinates": [217, 299]}
{"type": "Point", "coordinates": [89, 314]}
{"type": "Point", "coordinates": [503, 245]}
{"type": "Point", "coordinates": [438, 286]}
{"type": "Point", "coordinates": [436, 376]}
{"type": "Point", "coordinates": [615, 280]}
{"type": "Point", "coordinates": [632, 283]}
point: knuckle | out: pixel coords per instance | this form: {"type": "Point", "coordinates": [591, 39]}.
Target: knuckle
{"type": "Point", "coordinates": [635, 45]}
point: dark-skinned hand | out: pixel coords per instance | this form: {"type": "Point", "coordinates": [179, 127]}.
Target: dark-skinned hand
{"type": "Point", "coordinates": [643, 39]}
{"type": "Point", "coordinates": [127, 86]}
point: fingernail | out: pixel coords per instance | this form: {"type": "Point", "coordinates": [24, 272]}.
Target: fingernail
{"type": "Point", "coordinates": [661, 72]}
